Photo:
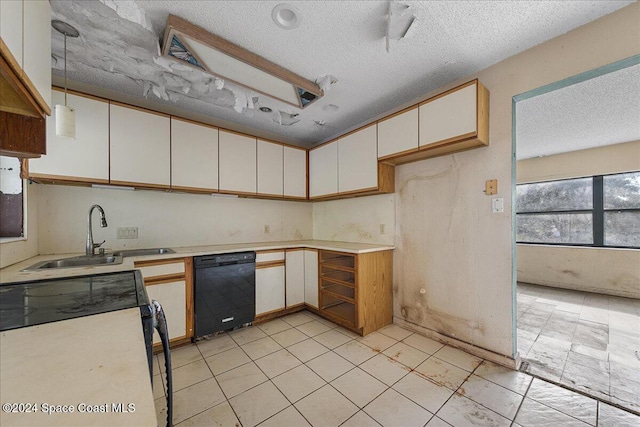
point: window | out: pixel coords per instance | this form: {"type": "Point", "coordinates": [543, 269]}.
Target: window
{"type": "Point", "coordinates": [594, 211]}
{"type": "Point", "coordinates": [11, 198]}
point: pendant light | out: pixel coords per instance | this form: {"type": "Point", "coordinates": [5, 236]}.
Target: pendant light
{"type": "Point", "coordinates": [65, 115]}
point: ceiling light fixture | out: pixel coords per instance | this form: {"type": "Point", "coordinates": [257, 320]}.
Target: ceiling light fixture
{"type": "Point", "coordinates": [286, 16]}
{"type": "Point", "coordinates": [213, 54]}
{"type": "Point", "coordinates": [65, 115]}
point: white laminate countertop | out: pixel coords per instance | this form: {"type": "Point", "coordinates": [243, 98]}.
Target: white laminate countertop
{"type": "Point", "coordinates": [90, 362]}
{"type": "Point", "coordinates": [12, 273]}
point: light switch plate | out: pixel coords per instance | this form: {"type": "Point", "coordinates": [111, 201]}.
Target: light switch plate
{"type": "Point", "coordinates": [497, 205]}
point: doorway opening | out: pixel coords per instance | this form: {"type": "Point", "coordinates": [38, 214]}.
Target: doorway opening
{"type": "Point", "coordinates": [576, 232]}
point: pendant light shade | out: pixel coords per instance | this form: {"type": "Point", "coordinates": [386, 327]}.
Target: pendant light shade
{"type": "Point", "coordinates": [65, 121]}
{"type": "Point", "coordinates": [65, 115]}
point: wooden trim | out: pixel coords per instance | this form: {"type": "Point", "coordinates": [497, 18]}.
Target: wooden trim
{"type": "Point", "coordinates": [386, 178]}
{"type": "Point", "coordinates": [141, 185]}
{"type": "Point", "coordinates": [16, 98]}
{"type": "Point", "coordinates": [362, 190]}
{"type": "Point", "coordinates": [448, 141]}
{"type": "Point", "coordinates": [235, 132]}
{"type": "Point", "coordinates": [173, 343]}
{"type": "Point", "coordinates": [358, 130]}
{"type": "Point", "coordinates": [152, 262]}
{"type": "Point", "coordinates": [268, 196]}
{"type": "Point", "coordinates": [167, 278]}
{"type": "Point", "coordinates": [284, 144]}
{"type": "Point", "coordinates": [134, 107]}
{"type": "Point", "coordinates": [188, 269]}
{"type": "Point", "coordinates": [391, 116]}
{"type": "Point", "coordinates": [81, 94]}
{"type": "Point", "coordinates": [35, 94]}
{"type": "Point", "coordinates": [454, 147]}
{"type": "Point", "coordinates": [237, 193]}
{"type": "Point", "coordinates": [278, 313]}
{"type": "Point", "coordinates": [323, 144]}
{"type": "Point", "coordinates": [398, 154]}
{"type": "Point", "coordinates": [294, 250]}
{"type": "Point", "coordinates": [455, 89]}
{"type": "Point", "coordinates": [269, 264]}
{"type": "Point", "coordinates": [269, 251]}
{"type": "Point", "coordinates": [193, 31]}
{"type": "Point", "coordinates": [70, 179]}
{"type": "Point", "coordinates": [324, 196]}
{"type": "Point", "coordinates": [193, 122]}
{"type": "Point", "coordinates": [295, 198]}
{"type": "Point", "coordinates": [11, 61]}
{"type": "Point", "coordinates": [198, 190]}
{"type": "Point", "coordinates": [482, 123]}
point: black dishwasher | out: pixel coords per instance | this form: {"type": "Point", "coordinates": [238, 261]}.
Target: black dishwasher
{"type": "Point", "coordinates": [224, 291]}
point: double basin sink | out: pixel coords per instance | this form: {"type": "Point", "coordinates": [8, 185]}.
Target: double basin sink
{"type": "Point", "coordinates": [89, 261]}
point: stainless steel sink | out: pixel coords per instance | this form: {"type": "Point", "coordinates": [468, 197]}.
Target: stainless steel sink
{"type": "Point", "coordinates": [143, 252]}
{"type": "Point", "coordinates": [80, 261]}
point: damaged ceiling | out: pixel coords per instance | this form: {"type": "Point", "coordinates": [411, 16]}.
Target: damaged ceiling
{"type": "Point", "coordinates": [367, 62]}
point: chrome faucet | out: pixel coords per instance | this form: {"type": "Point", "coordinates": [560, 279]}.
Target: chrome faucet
{"type": "Point", "coordinates": [103, 223]}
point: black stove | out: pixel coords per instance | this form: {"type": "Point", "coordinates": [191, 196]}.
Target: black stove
{"type": "Point", "coordinates": [42, 301]}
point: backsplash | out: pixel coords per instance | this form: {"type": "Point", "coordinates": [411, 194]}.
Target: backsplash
{"type": "Point", "coordinates": [164, 219]}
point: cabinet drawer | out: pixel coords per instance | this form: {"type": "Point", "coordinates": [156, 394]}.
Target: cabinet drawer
{"type": "Point", "coordinates": [164, 269]}
{"type": "Point", "coordinates": [269, 256]}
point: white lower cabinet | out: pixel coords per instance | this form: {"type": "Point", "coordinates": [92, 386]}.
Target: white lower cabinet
{"type": "Point", "coordinates": [311, 277]}
{"type": "Point", "coordinates": [172, 296]}
{"type": "Point", "coordinates": [294, 278]}
{"type": "Point", "coordinates": [269, 289]}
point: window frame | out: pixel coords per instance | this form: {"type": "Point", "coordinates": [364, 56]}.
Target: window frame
{"type": "Point", "coordinates": [597, 211]}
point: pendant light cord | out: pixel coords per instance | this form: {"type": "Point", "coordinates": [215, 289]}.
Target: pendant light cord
{"type": "Point", "coordinates": [65, 70]}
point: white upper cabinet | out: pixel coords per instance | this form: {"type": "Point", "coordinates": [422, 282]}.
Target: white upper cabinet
{"type": "Point", "coordinates": [85, 158]}
{"type": "Point", "coordinates": [295, 172]}
{"type": "Point", "coordinates": [358, 161]}
{"type": "Point", "coordinates": [398, 134]}
{"type": "Point", "coordinates": [140, 145]}
{"type": "Point", "coordinates": [37, 47]}
{"type": "Point", "coordinates": [194, 156]}
{"type": "Point", "coordinates": [237, 163]}
{"type": "Point", "coordinates": [25, 29]}
{"type": "Point", "coordinates": [323, 170]}
{"type": "Point", "coordinates": [11, 27]}
{"type": "Point", "coordinates": [449, 116]}
{"type": "Point", "coordinates": [270, 168]}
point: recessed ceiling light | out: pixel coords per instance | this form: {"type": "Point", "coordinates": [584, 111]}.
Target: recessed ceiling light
{"type": "Point", "coordinates": [265, 109]}
{"type": "Point", "coordinates": [286, 16]}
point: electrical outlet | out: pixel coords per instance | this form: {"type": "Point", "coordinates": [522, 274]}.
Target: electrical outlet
{"type": "Point", "coordinates": [266, 229]}
{"type": "Point", "coordinates": [127, 233]}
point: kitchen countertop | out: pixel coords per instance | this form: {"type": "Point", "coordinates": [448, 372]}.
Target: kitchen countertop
{"type": "Point", "coordinates": [12, 273]}
{"type": "Point", "coordinates": [87, 362]}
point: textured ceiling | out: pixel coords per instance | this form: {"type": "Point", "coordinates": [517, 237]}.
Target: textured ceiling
{"type": "Point", "coordinates": [601, 111]}
{"type": "Point", "coordinates": [118, 52]}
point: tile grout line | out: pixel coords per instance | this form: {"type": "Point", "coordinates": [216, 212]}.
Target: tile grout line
{"type": "Point", "coordinates": [524, 396]}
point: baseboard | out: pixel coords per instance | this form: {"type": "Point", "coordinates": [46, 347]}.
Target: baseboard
{"type": "Point", "coordinates": [500, 359]}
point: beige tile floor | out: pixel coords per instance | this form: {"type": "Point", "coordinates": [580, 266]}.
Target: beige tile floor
{"type": "Point", "coordinates": [302, 370]}
{"type": "Point", "coordinates": [588, 342]}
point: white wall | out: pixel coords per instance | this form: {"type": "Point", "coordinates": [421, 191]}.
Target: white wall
{"type": "Point", "coordinates": [356, 220]}
{"type": "Point", "coordinates": [448, 241]}
{"type": "Point", "coordinates": [164, 219]}
{"type": "Point", "coordinates": [16, 251]}
{"type": "Point", "coordinates": [605, 271]}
